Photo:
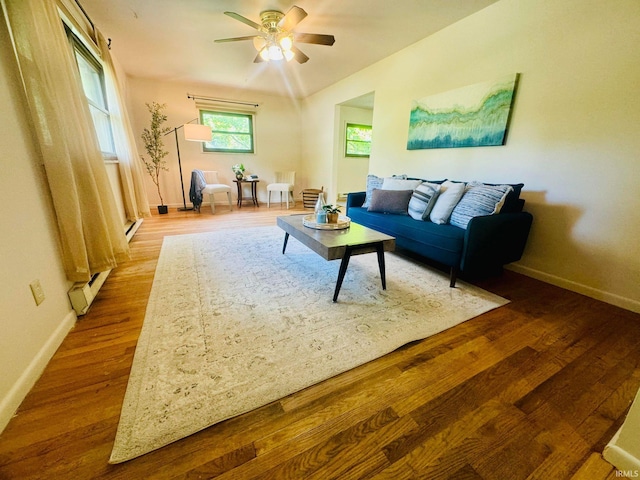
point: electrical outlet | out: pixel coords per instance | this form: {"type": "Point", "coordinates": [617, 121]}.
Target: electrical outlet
{"type": "Point", "coordinates": [36, 290]}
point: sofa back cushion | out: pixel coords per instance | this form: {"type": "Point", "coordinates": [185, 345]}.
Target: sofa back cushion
{"type": "Point", "coordinates": [422, 200]}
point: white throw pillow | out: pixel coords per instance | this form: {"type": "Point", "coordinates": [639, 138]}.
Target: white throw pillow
{"type": "Point", "coordinates": [450, 195]}
{"type": "Point", "coordinates": [391, 183]}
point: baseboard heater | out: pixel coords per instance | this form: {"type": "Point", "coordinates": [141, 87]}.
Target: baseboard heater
{"type": "Point", "coordinates": [82, 294]}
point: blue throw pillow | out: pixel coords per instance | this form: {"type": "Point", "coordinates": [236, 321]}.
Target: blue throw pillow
{"type": "Point", "coordinates": [373, 182]}
{"type": "Point", "coordinates": [511, 203]}
{"type": "Point", "coordinates": [479, 199]}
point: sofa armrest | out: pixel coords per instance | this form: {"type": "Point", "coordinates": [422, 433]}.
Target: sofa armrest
{"type": "Point", "coordinates": [494, 240]}
{"type": "Point", "coordinates": [355, 199]}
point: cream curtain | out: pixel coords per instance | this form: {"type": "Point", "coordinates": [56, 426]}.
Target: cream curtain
{"type": "Point", "coordinates": [135, 199]}
{"type": "Point", "coordinates": [91, 233]}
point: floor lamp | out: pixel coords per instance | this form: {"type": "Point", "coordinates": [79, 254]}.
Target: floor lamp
{"type": "Point", "coordinates": [193, 132]}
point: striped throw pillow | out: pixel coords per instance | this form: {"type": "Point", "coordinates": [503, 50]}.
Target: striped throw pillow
{"type": "Point", "coordinates": [422, 200]}
{"type": "Point", "coordinates": [479, 199]}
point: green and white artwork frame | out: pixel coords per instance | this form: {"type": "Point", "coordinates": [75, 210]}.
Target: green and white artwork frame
{"type": "Point", "coordinates": [473, 116]}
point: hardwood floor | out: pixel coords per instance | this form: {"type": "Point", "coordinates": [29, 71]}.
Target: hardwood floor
{"type": "Point", "coordinates": [534, 389]}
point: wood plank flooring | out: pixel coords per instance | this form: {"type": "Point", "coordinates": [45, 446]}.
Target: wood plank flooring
{"type": "Point", "coordinates": [534, 389]}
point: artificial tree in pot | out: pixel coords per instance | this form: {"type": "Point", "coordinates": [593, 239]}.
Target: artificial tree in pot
{"type": "Point", "coordinates": [152, 138]}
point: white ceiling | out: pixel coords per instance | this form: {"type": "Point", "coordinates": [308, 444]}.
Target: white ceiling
{"type": "Point", "coordinates": [173, 40]}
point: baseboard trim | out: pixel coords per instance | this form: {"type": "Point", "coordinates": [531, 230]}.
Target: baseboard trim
{"type": "Point", "coordinates": [9, 404]}
{"type": "Point", "coordinates": [611, 298]}
{"type": "Point", "coordinates": [621, 459]}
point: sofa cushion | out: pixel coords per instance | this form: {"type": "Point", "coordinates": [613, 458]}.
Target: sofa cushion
{"type": "Point", "coordinates": [442, 243]}
{"type": "Point", "coordinates": [450, 195]}
{"type": "Point", "coordinates": [479, 199]}
{"type": "Point", "coordinates": [422, 200]}
{"type": "Point", "coordinates": [390, 201]}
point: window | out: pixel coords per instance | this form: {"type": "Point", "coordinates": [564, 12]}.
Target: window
{"type": "Point", "coordinates": [358, 140]}
{"type": "Point", "coordinates": [92, 77]}
{"type": "Point", "coordinates": [231, 132]}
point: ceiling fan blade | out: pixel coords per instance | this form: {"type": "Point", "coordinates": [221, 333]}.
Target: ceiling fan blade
{"type": "Point", "coordinates": [244, 20]}
{"type": "Point", "coordinates": [235, 39]}
{"type": "Point", "coordinates": [258, 59]}
{"type": "Point", "coordinates": [299, 55]}
{"type": "Point", "coordinates": [293, 17]}
{"type": "Point", "coordinates": [314, 38]}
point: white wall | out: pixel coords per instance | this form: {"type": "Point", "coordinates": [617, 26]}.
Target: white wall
{"type": "Point", "coordinates": [277, 131]}
{"type": "Point", "coordinates": [573, 141]}
{"type": "Point", "coordinates": [29, 334]}
{"type": "Point", "coordinates": [351, 171]}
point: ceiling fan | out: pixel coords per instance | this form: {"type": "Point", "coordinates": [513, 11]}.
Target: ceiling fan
{"type": "Point", "coordinates": [276, 39]}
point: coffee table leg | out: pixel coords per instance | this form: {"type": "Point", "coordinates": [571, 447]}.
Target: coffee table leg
{"type": "Point", "coordinates": [286, 239]}
{"type": "Point", "coordinates": [343, 269]}
{"type": "Point", "coordinates": [380, 250]}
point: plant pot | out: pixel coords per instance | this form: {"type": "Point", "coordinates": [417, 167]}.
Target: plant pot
{"type": "Point", "coordinates": [163, 209]}
{"type": "Point", "coordinates": [239, 176]}
{"type": "Point", "coordinates": [332, 218]}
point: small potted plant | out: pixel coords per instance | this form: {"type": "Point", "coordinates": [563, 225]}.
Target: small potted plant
{"type": "Point", "coordinates": [152, 139]}
{"type": "Point", "coordinates": [333, 212]}
{"type": "Point", "coordinates": [238, 169]}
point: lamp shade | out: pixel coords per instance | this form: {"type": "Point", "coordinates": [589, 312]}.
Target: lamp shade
{"type": "Point", "coordinates": [197, 133]}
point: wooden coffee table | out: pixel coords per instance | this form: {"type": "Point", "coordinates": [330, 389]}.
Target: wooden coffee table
{"type": "Point", "coordinates": [335, 244]}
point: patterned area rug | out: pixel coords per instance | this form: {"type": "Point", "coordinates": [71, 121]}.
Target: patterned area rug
{"type": "Point", "coordinates": [232, 324]}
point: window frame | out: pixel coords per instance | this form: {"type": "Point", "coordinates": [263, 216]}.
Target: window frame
{"type": "Point", "coordinates": [78, 46]}
{"type": "Point", "coordinates": [347, 140]}
{"type": "Point", "coordinates": [226, 113]}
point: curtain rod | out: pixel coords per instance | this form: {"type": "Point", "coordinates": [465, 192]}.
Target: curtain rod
{"type": "Point", "coordinates": [86, 15]}
{"type": "Point", "coordinates": [199, 97]}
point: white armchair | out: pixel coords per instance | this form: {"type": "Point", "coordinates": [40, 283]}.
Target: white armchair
{"type": "Point", "coordinates": [284, 183]}
{"type": "Point", "coordinates": [214, 186]}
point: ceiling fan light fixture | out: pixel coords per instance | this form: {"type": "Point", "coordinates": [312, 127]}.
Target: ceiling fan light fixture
{"type": "Point", "coordinates": [264, 54]}
{"type": "Point", "coordinates": [276, 39]}
{"type": "Point", "coordinates": [275, 52]}
{"type": "Point", "coordinates": [259, 43]}
{"type": "Point", "coordinates": [286, 42]}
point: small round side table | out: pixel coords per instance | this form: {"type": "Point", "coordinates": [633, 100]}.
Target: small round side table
{"type": "Point", "coordinates": [254, 193]}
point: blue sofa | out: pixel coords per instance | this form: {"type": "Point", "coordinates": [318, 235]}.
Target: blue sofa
{"type": "Point", "coordinates": [488, 243]}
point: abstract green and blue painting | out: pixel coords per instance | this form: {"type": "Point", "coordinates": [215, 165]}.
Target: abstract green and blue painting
{"type": "Point", "coordinates": [473, 116]}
